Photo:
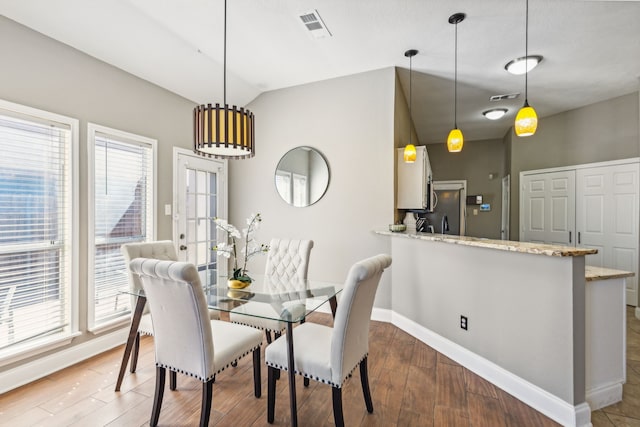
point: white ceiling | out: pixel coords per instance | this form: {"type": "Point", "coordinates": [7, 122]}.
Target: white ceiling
{"type": "Point", "coordinates": [591, 49]}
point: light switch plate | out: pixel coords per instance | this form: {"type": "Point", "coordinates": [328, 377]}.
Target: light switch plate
{"type": "Point", "coordinates": [167, 209]}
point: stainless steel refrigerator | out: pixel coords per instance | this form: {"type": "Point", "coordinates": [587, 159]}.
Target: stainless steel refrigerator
{"type": "Point", "coordinates": [446, 213]}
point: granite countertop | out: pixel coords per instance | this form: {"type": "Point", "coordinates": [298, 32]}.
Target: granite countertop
{"type": "Point", "coordinates": [593, 273]}
{"type": "Point", "coordinates": [503, 245]}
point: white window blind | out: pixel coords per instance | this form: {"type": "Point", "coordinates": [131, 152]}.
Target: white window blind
{"type": "Point", "coordinates": [36, 228]}
{"type": "Point", "coordinates": [123, 211]}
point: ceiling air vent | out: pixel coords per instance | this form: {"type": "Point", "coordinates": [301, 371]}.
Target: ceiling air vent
{"type": "Point", "coordinates": [503, 97]}
{"type": "Point", "coordinates": [315, 25]}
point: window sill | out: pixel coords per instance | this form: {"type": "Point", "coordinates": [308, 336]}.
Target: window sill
{"type": "Point", "coordinates": [114, 324]}
{"type": "Point", "coordinates": [24, 351]}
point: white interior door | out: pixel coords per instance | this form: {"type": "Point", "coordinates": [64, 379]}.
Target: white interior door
{"type": "Point", "coordinates": [200, 196]}
{"type": "Point", "coordinates": [547, 207]}
{"type": "Point", "coordinates": [608, 219]}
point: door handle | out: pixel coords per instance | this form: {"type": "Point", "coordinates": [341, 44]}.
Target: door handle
{"type": "Point", "coordinates": [569, 237]}
{"type": "Point", "coordinates": [578, 237]}
{"type": "Point", "coordinates": [183, 247]}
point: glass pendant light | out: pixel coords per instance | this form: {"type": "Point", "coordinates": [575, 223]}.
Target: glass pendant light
{"type": "Point", "coordinates": [410, 149]}
{"type": "Point", "coordinates": [526, 119]}
{"type": "Point", "coordinates": [455, 141]}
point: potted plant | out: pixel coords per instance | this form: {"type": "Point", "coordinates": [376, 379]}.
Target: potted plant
{"type": "Point", "coordinates": [240, 277]}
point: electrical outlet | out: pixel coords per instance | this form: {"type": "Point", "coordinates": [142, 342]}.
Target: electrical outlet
{"type": "Point", "coordinates": [464, 322]}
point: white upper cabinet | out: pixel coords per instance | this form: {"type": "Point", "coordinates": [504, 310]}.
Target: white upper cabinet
{"type": "Point", "coordinates": [414, 181]}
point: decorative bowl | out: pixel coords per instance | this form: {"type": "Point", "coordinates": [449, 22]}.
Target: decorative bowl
{"type": "Point", "coordinates": [396, 228]}
{"type": "Point", "coordinates": [237, 284]}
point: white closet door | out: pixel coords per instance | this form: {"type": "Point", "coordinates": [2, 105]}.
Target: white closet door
{"type": "Point", "coordinates": [547, 207]}
{"type": "Point", "coordinates": [607, 218]}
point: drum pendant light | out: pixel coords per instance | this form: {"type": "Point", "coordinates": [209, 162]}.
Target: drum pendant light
{"type": "Point", "coordinates": [526, 119]}
{"type": "Point", "coordinates": [455, 141]}
{"type": "Point", "coordinates": [410, 149]}
{"type": "Point", "coordinates": [221, 131]}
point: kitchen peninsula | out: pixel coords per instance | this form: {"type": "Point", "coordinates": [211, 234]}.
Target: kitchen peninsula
{"type": "Point", "coordinates": [538, 324]}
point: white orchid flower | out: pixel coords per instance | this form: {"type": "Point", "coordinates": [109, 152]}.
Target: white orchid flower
{"type": "Point", "coordinates": [230, 250]}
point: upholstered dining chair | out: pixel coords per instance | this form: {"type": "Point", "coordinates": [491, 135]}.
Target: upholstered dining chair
{"type": "Point", "coordinates": [162, 250]}
{"type": "Point", "coordinates": [185, 339]}
{"type": "Point", "coordinates": [330, 354]}
{"type": "Point", "coordinates": [287, 262]}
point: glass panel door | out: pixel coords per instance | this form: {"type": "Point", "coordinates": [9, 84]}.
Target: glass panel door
{"type": "Point", "coordinates": [200, 199]}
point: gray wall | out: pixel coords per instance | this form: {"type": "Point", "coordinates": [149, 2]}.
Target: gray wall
{"type": "Point", "coordinates": [350, 121]}
{"type": "Point", "coordinates": [525, 311]}
{"type": "Point", "coordinates": [474, 163]}
{"type": "Point", "coordinates": [42, 73]}
{"type": "Point", "coordinates": [607, 130]}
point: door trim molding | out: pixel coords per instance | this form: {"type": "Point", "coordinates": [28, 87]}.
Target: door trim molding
{"type": "Point", "coordinates": [630, 160]}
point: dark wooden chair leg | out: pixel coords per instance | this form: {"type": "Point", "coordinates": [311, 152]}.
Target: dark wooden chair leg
{"type": "Point", "coordinates": [173, 381]}
{"type": "Point", "coordinates": [271, 393]}
{"type": "Point", "coordinates": [207, 395]}
{"type": "Point", "coordinates": [336, 394]}
{"type": "Point", "coordinates": [364, 379]}
{"type": "Point", "coordinates": [267, 334]}
{"type": "Point", "coordinates": [134, 354]}
{"type": "Point", "coordinates": [257, 380]}
{"type": "Point", "coordinates": [157, 399]}
{"type": "Point", "coordinates": [277, 334]}
{"type": "Point", "coordinates": [133, 330]}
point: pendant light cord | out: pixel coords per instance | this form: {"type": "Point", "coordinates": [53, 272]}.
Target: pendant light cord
{"type": "Point", "coordinates": [224, 75]}
{"type": "Point", "coordinates": [410, 93]}
{"type": "Point", "coordinates": [455, 85]}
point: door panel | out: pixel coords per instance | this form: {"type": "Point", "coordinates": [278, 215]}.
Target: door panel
{"type": "Point", "coordinates": [200, 198]}
{"type": "Point", "coordinates": [608, 218]}
{"type": "Point", "coordinates": [548, 207]}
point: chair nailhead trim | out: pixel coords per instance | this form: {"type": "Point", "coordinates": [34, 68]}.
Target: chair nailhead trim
{"type": "Point", "coordinates": [198, 377]}
{"type": "Point", "coordinates": [332, 384]}
{"type": "Point", "coordinates": [259, 327]}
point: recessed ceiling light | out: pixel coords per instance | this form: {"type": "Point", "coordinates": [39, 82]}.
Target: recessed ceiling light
{"type": "Point", "coordinates": [523, 64]}
{"type": "Point", "coordinates": [495, 113]}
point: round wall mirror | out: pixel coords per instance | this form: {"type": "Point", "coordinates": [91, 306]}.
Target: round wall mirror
{"type": "Point", "coordinates": [302, 176]}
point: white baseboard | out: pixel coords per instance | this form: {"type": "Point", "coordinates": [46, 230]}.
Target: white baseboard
{"type": "Point", "coordinates": [604, 396]}
{"type": "Point", "coordinates": [539, 399]}
{"type": "Point", "coordinates": [31, 371]}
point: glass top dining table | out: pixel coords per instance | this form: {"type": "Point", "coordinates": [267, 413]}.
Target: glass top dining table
{"type": "Point", "coordinates": [287, 300]}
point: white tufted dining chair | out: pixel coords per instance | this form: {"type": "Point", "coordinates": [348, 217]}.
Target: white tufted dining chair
{"type": "Point", "coordinates": [162, 250]}
{"type": "Point", "coordinates": [287, 263]}
{"type": "Point", "coordinates": [329, 355]}
{"type": "Point", "coordinates": [185, 339]}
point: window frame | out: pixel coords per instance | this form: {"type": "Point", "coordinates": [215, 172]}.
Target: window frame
{"type": "Point", "coordinates": [37, 346]}
{"type": "Point", "coordinates": [92, 130]}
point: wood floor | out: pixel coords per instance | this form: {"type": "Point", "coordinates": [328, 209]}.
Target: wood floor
{"type": "Point", "coordinates": [411, 384]}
